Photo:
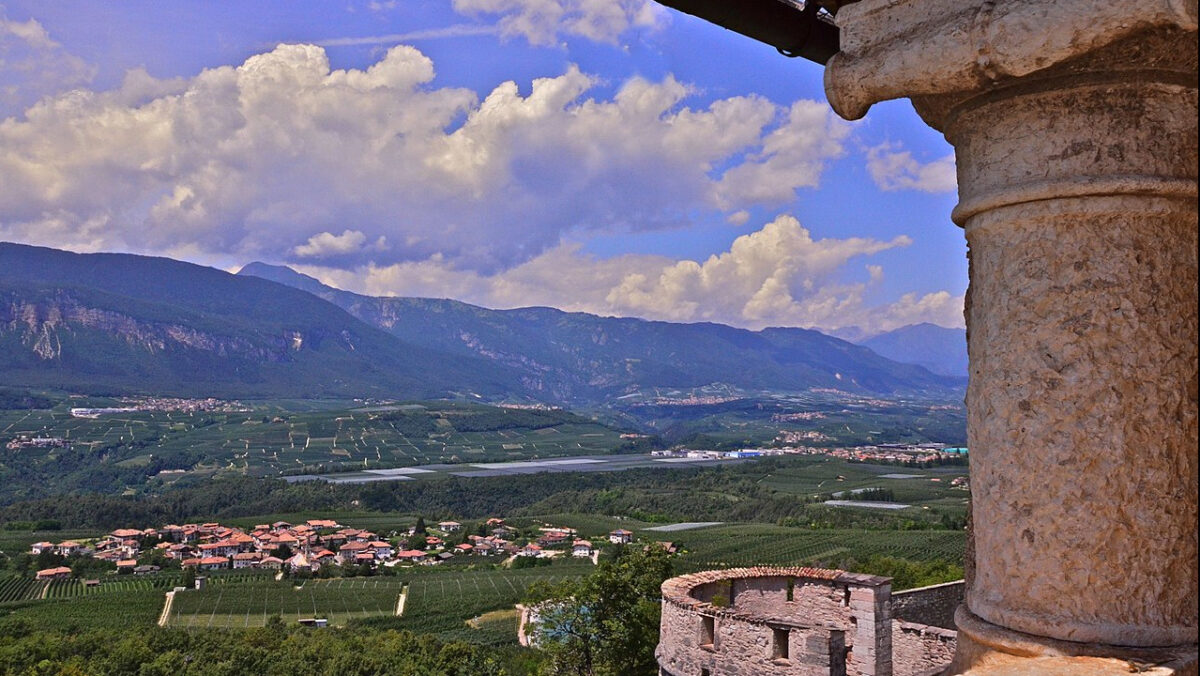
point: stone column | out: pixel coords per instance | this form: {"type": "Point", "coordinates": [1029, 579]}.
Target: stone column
{"type": "Point", "coordinates": [1074, 127]}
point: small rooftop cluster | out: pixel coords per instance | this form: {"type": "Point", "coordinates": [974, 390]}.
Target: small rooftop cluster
{"type": "Point", "coordinates": [310, 545]}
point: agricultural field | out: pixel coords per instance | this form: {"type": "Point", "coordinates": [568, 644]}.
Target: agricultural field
{"type": "Point", "coordinates": [737, 545]}
{"type": "Point", "coordinates": [19, 588]}
{"type": "Point", "coordinates": [449, 601]}
{"type": "Point", "coordinates": [117, 598]}
{"type": "Point", "coordinates": [461, 604]}
{"type": "Point", "coordinates": [123, 610]}
{"type": "Point", "coordinates": [16, 541]}
{"type": "Point", "coordinates": [112, 584]}
{"type": "Point", "coordinates": [250, 604]}
{"type": "Point", "coordinates": [265, 439]}
{"type": "Point", "coordinates": [817, 418]}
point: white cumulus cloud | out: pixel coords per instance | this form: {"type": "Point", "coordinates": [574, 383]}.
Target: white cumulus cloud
{"type": "Point", "coordinates": [33, 65]}
{"type": "Point", "coordinates": [272, 158]}
{"type": "Point", "coordinates": [329, 245]}
{"type": "Point", "coordinates": [895, 169]}
{"type": "Point", "coordinates": [778, 275]}
{"type": "Point", "coordinates": [545, 22]}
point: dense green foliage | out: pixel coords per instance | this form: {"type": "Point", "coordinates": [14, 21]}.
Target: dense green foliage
{"type": "Point", "coordinates": [906, 574]}
{"type": "Point", "coordinates": [14, 399]}
{"type": "Point", "coordinates": [270, 651]}
{"type": "Point", "coordinates": [605, 623]}
{"type": "Point", "coordinates": [768, 490]}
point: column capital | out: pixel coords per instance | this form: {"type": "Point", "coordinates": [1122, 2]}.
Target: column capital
{"type": "Point", "coordinates": [917, 48]}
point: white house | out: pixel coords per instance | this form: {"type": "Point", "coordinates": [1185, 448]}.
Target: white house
{"type": "Point", "coordinates": [620, 536]}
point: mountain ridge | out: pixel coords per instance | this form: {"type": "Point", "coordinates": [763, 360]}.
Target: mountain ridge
{"type": "Point", "coordinates": [940, 349]}
{"type": "Point", "coordinates": [546, 340]}
{"type": "Point", "coordinates": [122, 323]}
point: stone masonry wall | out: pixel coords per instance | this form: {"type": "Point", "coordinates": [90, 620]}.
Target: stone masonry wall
{"type": "Point", "coordinates": [813, 602]}
{"type": "Point", "coordinates": [744, 648]}
{"type": "Point", "coordinates": [920, 649]}
{"type": "Point", "coordinates": [933, 605]}
{"type": "Point", "coordinates": [835, 623]}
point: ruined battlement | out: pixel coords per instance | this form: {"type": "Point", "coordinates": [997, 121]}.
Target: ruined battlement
{"type": "Point", "coordinates": [794, 621]}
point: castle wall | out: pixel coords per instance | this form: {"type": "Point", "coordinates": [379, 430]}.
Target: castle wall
{"type": "Point", "coordinates": [921, 649]}
{"type": "Point", "coordinates": [732, 622]}
{"type": "Point", "coordinates": [933, 605]}
{"type": "Point", "coordinates": [743, 647]}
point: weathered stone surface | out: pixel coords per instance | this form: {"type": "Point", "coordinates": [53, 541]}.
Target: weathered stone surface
{"type": "Point", "coordinates": [933, 605]}
{"type": "Point", "coordinates": [1082, 335]}
{"type": "Point", "coordinates": [903, 48]}
{"type": "Point", "coordinates": [1081, 425]}
{"type": "Point", "coordinates": [730, 622]}
{"type": "Point", "coordinates": [1074, 126]}
{"type": "Point", "coordinates": [921, 648]}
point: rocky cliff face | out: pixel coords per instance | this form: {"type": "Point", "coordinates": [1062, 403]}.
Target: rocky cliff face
{"type": "Point", "coordinates": [45, 326]}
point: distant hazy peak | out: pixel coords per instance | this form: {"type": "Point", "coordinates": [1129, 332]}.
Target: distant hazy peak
{"type": "Point", "coordinates": [937, 348]}
{"type": "Point", "coordinates": [282, 274]}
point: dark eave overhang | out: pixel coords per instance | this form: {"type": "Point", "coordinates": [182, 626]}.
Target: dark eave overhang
{"type": "Point", "coordinates": [795, 28]}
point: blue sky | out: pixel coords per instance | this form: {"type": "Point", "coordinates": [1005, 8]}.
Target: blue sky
{"type": "Point", "coordinates": [609, 156]}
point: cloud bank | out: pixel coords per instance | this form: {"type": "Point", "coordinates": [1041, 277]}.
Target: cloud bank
{"type": "Point", "coordinates": [379, 181]}
{"type": "Point", "coordinates": [33, 65]}
{"type": "Point", "coordinates": [545, 22]}
{"type": "Point", "coordinates": [256, 160]}
{"type": "Point", "coordinates": [895, 169]}
{"type": "Point", "coordinates": [776, 276]}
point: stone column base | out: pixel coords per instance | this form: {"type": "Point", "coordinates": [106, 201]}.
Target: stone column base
{"type": "Point", "coordinates": [986, 649]}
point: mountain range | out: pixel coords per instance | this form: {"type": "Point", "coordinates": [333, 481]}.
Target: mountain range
{"type": "Point", "coordinates": [120, 323]}
{"type": "Point", "coordinates": [937, 348]}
